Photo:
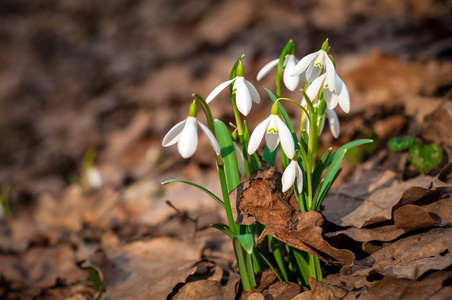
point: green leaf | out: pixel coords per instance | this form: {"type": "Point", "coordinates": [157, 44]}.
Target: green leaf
{"type": "Point", "coordinates": [95, 279]}
{"type": "Point", "coordinates": [247, 241]}
{"type": "Point", "coordinates": [271, 266]}
{"type": "Point", "coordinates": [197, 186]}
{"type": "Point", "coordinates": [269, 156]}
{"type": "Point", "coordinates": [228, 154]}
{"type": "Point", "coordinates": [321, 165]}
{"type": "Point", "coordinates": [425, 157]}
{"type": "Point", "coordinates": [400, 143]}
{"type": "Point", "coordinates": [329, 176]}
{"type": "Point", "coordinates": [349, 146]}
{"type": "Point", "coordinates": [224, 228]}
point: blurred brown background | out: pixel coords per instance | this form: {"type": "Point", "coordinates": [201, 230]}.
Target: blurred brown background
{"type": "Point", "coordinates": [116, 75]}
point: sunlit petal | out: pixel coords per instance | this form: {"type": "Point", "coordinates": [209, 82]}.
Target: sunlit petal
{"type": "Point", "coordinates": [299, 179]}
{"type": "Point", "coordinates": [330, 73]}
{"type": "Point", "coordinates": [257, 135]}
{"type": "Point", "coordinates": [173, 135]}
{"type": "Point", "coordinates": [330, 98]}
{"type": "Point", "coordinates": [188, 140]}
{"type": "Point", "coordinates": [304, 63]}
{"type": "Point", "coordinates": [243, 96]}
{"type": "Point", "coordinates": [218, 89]}
{"type": "Point", "coordinates": [212, 140]}
{"type": "Point", "coordinates": [342, 94]}
{"type": "Point", "coordinates": [288, 176]}
{"type": "Point", "coordinates": [315, 88]}
{"type": "Point", "coordinates": [291, 82]}
{"type": "Point", "coordinates": [286, 139]}
{"type": "Point", "coordinates": [253, 92]}
{"type": "Point", "coordinates": [266, 69]}
{"type": "Point", "coordinates": [333, 120]}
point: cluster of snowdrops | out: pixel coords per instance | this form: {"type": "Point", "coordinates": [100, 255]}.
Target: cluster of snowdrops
{"type": "Point", "coordinates": [322, 90]}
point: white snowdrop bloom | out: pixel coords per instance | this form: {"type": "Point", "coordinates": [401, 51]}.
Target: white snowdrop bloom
{"type": "Point", "coordinates": [339, 95]}
{"type": "Point", "coordinates": [245, 92]}
{"type": "Point", "coordinates": [275, 131]}
{"type": "Point", "coordinates": [185, 134]}
{"type": "Point", "coordinates": [292, 174]}
{"type": "Point", "coordinates": [314, 63]}
{"type": "Point", "coordinates": [94, 177]}
{"type": "Point", "coordinates": [333, 121]}
{"type": "Point", "coordinates": [291, 82]}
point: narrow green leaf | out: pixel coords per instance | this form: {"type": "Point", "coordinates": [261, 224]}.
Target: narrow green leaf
{"type": "Point", "coordinates": [349, 146]}
{"type": "Point", "coordinates": [400, 143]}
{"type": "Point", "coordinates": [95, 279]}
{"type": "Point", "coordinates": [321, 165]}
{"type": "Point", "coordinates": [228, 154]}
{"type": "Point", "coordinates": [271, 266]}
{"type": "Point", "coordinates": [425, 157]}
{"type": "Point", "coordinates": [269, 156]}
{"type": "Point", "coordinates": [223, 228]}
{"type": "Point", "coordinates": [197, 186]}
{"type": "Point", "coordinates": [329, 176]}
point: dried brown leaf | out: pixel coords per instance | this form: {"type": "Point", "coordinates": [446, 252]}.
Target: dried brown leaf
{"type": "Point", "coordinates": [260, 199]}
{"type": "Point", "coordinates": [383, 233]}
{"type": "Point", "coordinates": [282, 290]}
{"type": "Point", "coordinates": [409, 257]}
{"type": "Point", "coordinates": [207, 290]}
{"type": "Point", "coordinates": [145, 270]}
{"type": "Point", "coordinates": [325, 291]}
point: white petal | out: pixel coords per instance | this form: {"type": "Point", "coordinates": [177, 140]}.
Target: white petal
{"type": "Point", "coordinates": [173, 135]}
{"type": "Point", "coordinates": [304, 63]}
{"type": "Point", "coordinates": [257, 135]}
{"type": "Point", "coordinates": [253, 92]}
{"type": "Point", "coordinates": [264, 71]}
{"type": "Point", "coordinates": [218, 89]}
{"type": "Point", "coordinates": [272, 133]}
{"type": "Point", "coordinates": [291, 82]}
{"type": "Point", "coordinates": [94, 177]}
{"type": "Point", "coordinates": [315, 88]}
{"type": "Point", "coordinates": [330, 98]}
{"type": "Point", "coordinates": [330, 73]}
{"type": "Point", "coordinates": [286, 139]}
{"type": "Point", "coordinates": [322, 126]}
{"type": "Point", "coordinates": [342, 94]}
{"type": "Point", "coordinates": [243, 96]}
{"type": "Point", "coordinates": [333, 120]}
{"type": "Point", "coordinates": [188, 140]}
{"type": "Point", "coordinates": [299, 179]}
{"type": "Point", "coordinates": [313, 72]}
{"type": "Point", "coordinates": [288, 177]}
{"type": "Point", "coordinates": [240, 160]}
{"type": "Point", "coordinates": [212, 140]}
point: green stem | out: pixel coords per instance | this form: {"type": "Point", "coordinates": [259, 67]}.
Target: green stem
{"type": "Point", "coordinates": [307, 163]}
{"type": "Point", "coordinates": [227, 203]}
{"type": "Point", "coordinates": [278, 257]}
{"type": "Point", "coordinates": [241, 263]}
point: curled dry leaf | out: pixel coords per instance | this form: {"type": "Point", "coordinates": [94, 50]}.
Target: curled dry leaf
{"type": "Point", "coordinates": [260, 199]}
{"type": "Point", "coordinates": [145, 270]}
{"type": "Point", "coordinates": [207, 289]}
{"type": "Point", "coordinates": [409, 257]}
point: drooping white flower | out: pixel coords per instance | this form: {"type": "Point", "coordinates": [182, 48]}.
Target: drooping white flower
{"type": "Point", "coordinates": [185, 134]}
{"type": "Point", "coordinates": [291, 82]}
{"type": "Point", "coordinates": [275, 131]}
{"type": "Point", "coordinates": [245, 92]}
{"type": "Point", "coordinates": [333, 121]}
{"type": "Point", "coordinates": [313, 64]}
{"type": "Point", "coordinates": [291, 174]}
{"type": "Point", "coordinates": [339, 95]}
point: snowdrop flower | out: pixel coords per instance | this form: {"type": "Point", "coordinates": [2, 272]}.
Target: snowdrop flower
{"type": "Point", "coordinates": [94, 177]}
{"type": "Point", "coordinates": [338, 95]}
{"type": "Point", "coordinates": [244, 90]}
{"type": "Point", "coordinates": [314, 63]}
{"type": "Point", "coordinates": [292, 173]}
{"type": "Point", "coordinates": [291, 82]}
{"type": "Point", "coordinates": [275, 131]}
{"type": "Point", "coordinates": [185, 134]}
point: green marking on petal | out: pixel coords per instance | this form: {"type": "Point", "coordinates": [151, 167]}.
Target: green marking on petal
{"type": "Point", "coordinates": [318, 64]}
{"type": "Point", "coordinates": [272, 130]}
